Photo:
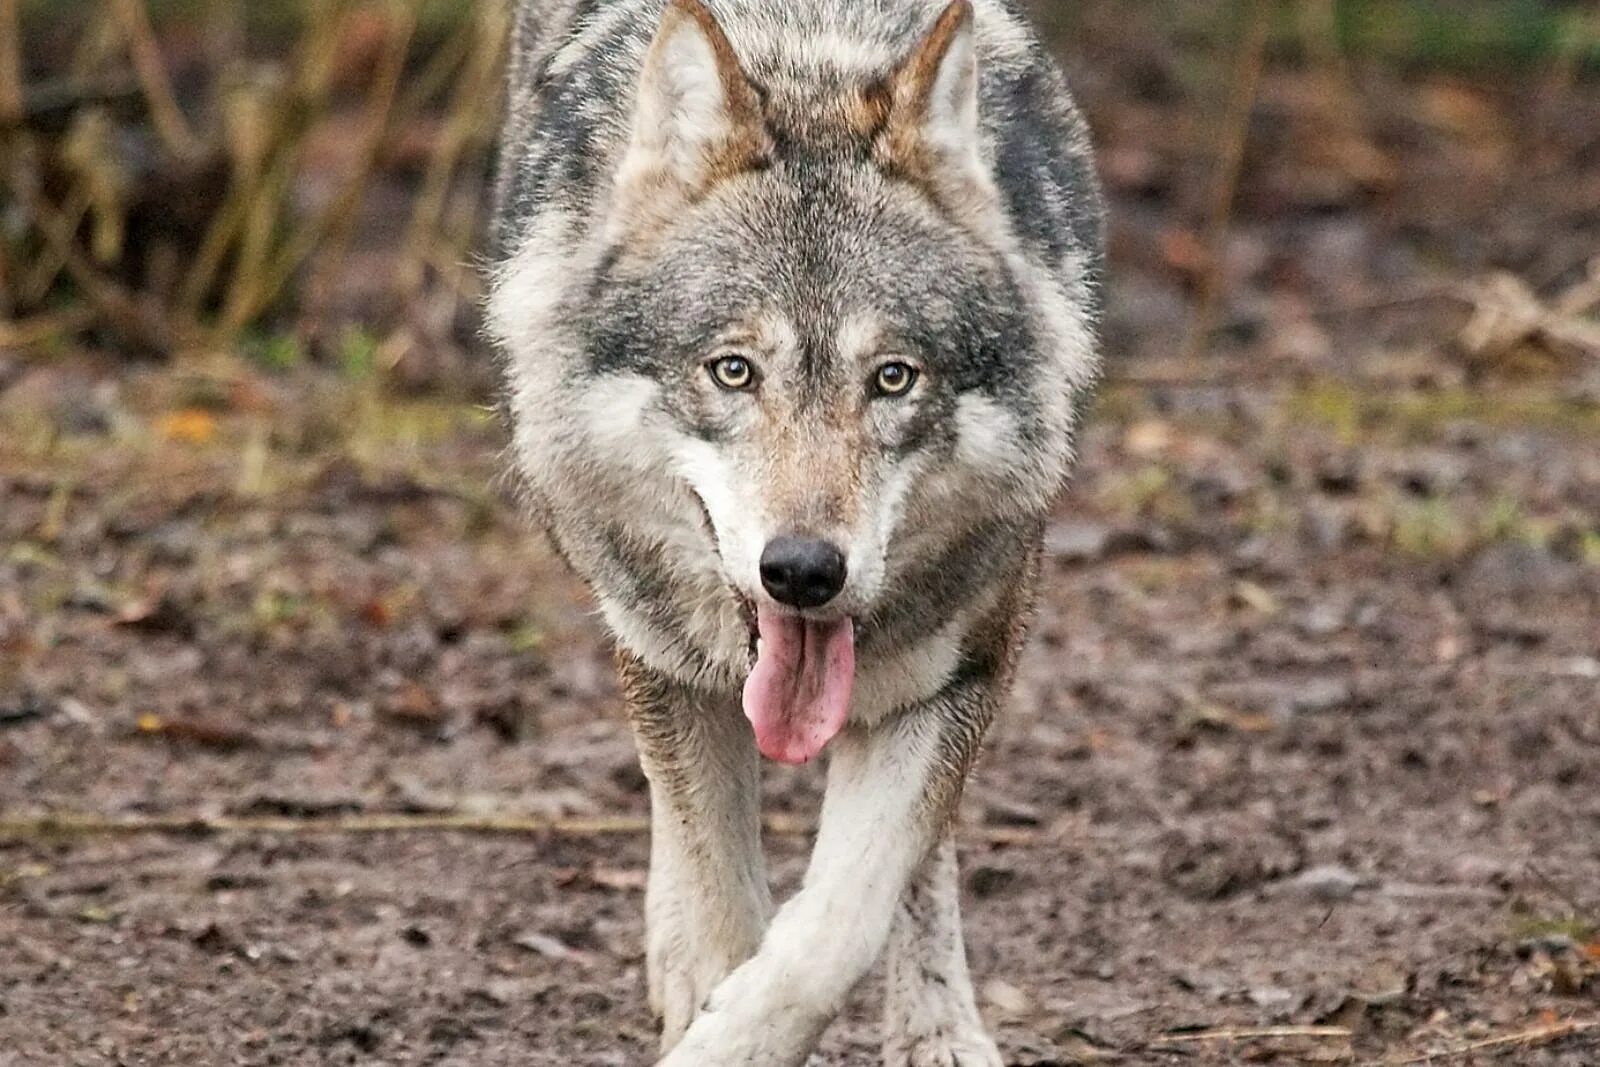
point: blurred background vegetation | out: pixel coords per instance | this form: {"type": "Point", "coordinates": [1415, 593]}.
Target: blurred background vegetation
{"type": "Point", "coordinates": [282, 181]}
{"type": "Point", "coordinates": [296, 183]}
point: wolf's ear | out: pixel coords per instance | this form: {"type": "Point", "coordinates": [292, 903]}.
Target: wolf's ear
{"type": "Point", "coordinates": [932, 123]}
{"type": "Point", "coordinates": [698, 117]}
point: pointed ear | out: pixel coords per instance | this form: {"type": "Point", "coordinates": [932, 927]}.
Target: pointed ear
{"type": "Point", "coordinates": [698, 118]}
{"type": "Point", "coordinates": [933, 99]}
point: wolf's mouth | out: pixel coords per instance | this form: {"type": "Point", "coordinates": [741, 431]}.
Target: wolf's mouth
{"type": "Point", "coordinates": [797, 697]}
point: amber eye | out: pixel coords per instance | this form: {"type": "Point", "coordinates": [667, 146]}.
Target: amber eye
{"type": "Point", "coordinates": [895, 379]}
{"type": "Point", "coordinates": [733, 373]}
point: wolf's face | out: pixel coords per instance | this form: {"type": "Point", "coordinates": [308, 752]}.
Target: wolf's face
{"type": "Point", "coordinates": [830, 342]}
{"type": "Point", "coordinates": [823, 356]}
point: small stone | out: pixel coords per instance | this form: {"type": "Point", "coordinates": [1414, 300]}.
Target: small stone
{"type": "Point", "coordinates": [1321, 620]}
{"type": "Point", "coordinates": [216, 939]}
{"type": "Point", "coordinates": [501, 992]}
{"type": "Point", "coordinates": [1321, 695]}
{"type": "Point", "coordinates": [1585, 667]}
{"type": "Point", "coordinates": [1006, 998]}
{"type": "Point", "coordinates": [1478, 870]}
{"type": "Point", "coordinates": [1328, 883]}
{"type": "Point", "coordinates": [1218, 489]}
{"type": "Point", "coordinates": [1273, 998]}
{"type": "Point", "coordinates": [551, 948]}
{"type": "Point", "coordinates": [1002, 810]}
{"type": "Point", "coordinates": [1077, 541]}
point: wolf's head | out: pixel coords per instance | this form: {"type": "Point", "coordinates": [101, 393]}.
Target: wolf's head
{"type": "Point", "coordinates": [811, 294]}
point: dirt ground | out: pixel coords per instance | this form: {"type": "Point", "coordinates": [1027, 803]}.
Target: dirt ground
{"type": "Point", "coordinates": [1308, 735]}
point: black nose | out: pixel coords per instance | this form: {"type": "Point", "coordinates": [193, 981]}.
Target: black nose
{"type": "Point", "coordinates": [802, 572]}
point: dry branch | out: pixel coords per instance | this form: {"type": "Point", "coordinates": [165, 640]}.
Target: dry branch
{"type": "Point", "coordinates": [259, 288]}
{"type": "Point", "coordinates": [474, 94]}
{"type": "Point", "coordinates": [75, 825]}
{"type": "Point", "coordinates": [70, 826]}
{"type": "Point", "coordinates": [44, 328]}
{"type": "Point", "coordinates": [1230, 168]}
{"type": "Point", "coordinates": [1524, 1039]}
{"type": "Point", "coordinates": [1258, 1033]}
{"type": "Point", "coordinates": [114, 305]}
{"type": "Point", "coordinates": [147, 63]}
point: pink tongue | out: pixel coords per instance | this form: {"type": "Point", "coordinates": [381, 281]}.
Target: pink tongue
{"type": "Point", "coordinates": [798, 696]}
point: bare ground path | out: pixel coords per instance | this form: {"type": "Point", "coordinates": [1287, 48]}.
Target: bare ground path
{"type": "Point", "coordinates": [1304, 739]}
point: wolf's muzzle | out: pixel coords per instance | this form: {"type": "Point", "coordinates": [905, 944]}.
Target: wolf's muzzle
{"type": "Point", "coordinates": [802, 572]}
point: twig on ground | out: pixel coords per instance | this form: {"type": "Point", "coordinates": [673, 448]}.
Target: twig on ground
{"type": "Point", "coordinates": [70, 825]}
{"type": "Point", "coordinates": [1525, 1039]}
{"type": "Point", "coordinates": [1247, 85]}
{"type": "Point", "coordinates": [1507, 313]}
{"type": "Point", "coordinates": [1259, 1033]}
{"type": "Point", "coordinates": [66, 826]}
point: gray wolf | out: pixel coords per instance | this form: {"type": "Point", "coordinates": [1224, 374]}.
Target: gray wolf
{"type": "Point", "coordinates": [796, 303]}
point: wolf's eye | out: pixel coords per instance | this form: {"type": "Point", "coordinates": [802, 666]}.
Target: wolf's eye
{"type": "Point", "coordinates": [734, 373]}
{"type": "Point", "coordinates": [895, 379]}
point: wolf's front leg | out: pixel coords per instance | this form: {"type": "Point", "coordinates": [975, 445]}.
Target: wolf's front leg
{"type": "Point", "coordinates": [708, 899]}
{"type": "Point", "coordinates": [930, 1014]}
{"type": "Point", "coordinates": [891, 792]}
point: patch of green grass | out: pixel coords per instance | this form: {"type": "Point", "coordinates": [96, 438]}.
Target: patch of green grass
{"type": "Point", "coordinates": [275, 607]}
{"type": "Point", "coordinates": [527, 637]}
{"type": "Point", "coordinates": [1463, 34]}
{"type": "Point", "coordinates": [358, 353]}
{"type": "Point", "coordinates": [279, 352]}
{"type": "Point", "coordinates": [1354, 414]}
{"type": "Point", "coordinates": [1430, 528]}
{"type": "Point", "coordinates": [32, 555]}
{"type": "Point", "coordinates": [1508, 520]}
{"type": "Point", "coordinates": [1452, 35]}
{"type": "Point", "coordinates": [1442, 528]}
{"type": "Point", "coordinates": [1589, 550]}
{"type": "Point", "coordinates": [1577, 928]}
{"type": "Point", "coordinates": [1149, 490]}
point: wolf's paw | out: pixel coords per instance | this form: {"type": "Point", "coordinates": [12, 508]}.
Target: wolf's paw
{"type": "Point", "coordinates": [967, 1048]}
{"type": "Point", "coordinates": [680, 982]}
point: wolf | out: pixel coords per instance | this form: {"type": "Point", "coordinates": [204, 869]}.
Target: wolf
{"type": "Point", "coordinates": [796, 302]}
